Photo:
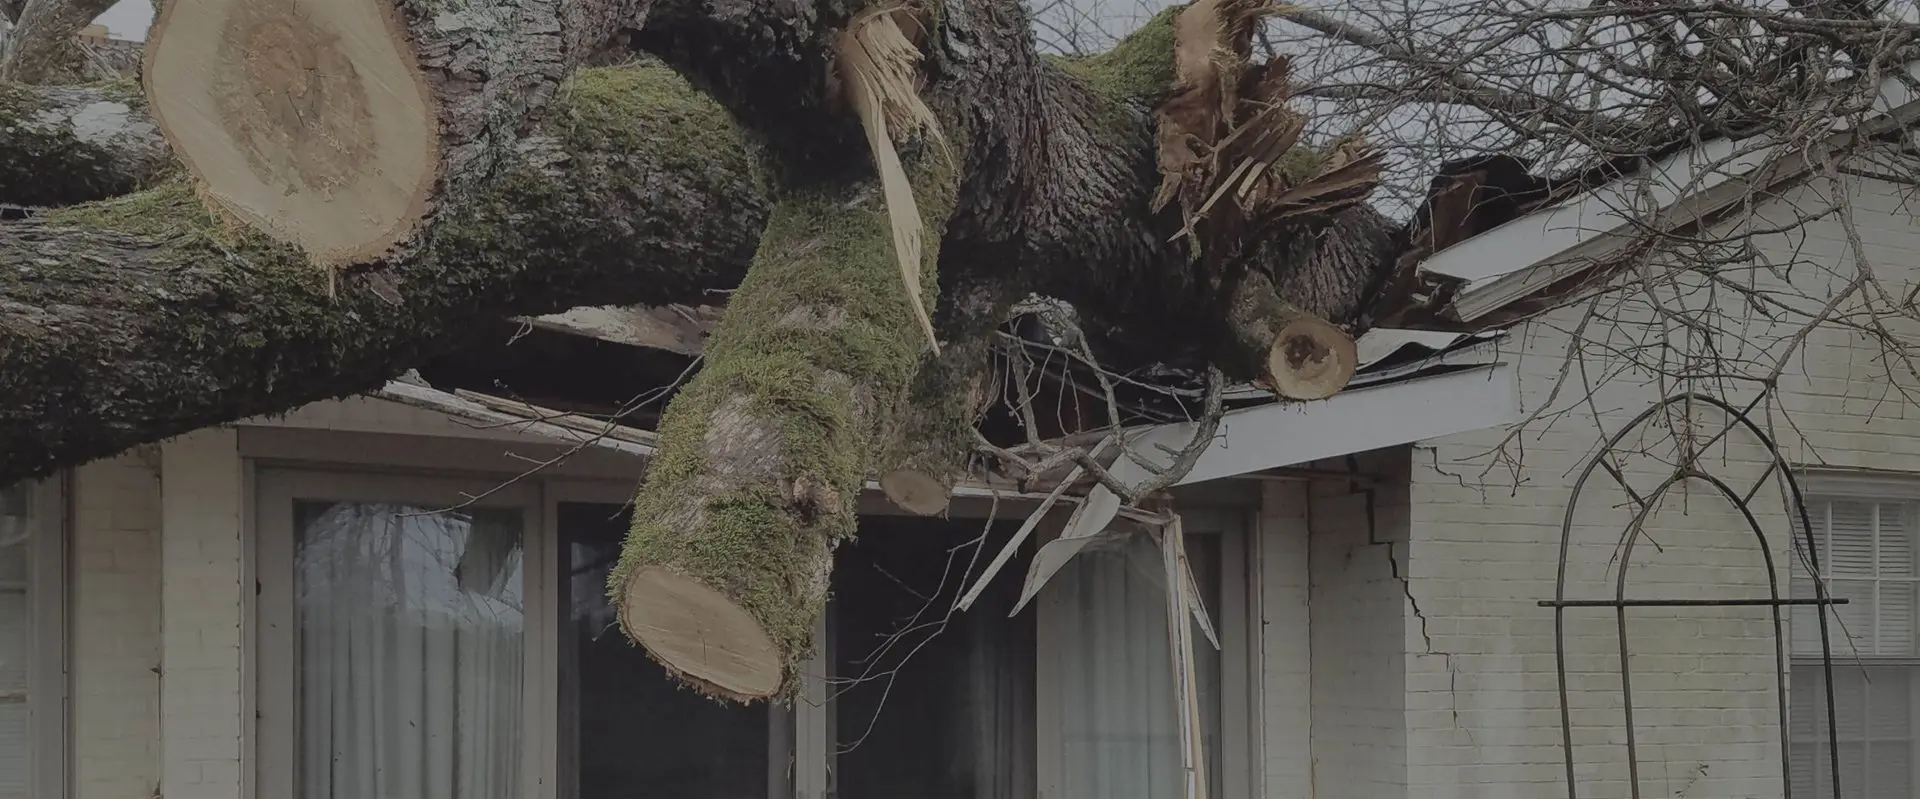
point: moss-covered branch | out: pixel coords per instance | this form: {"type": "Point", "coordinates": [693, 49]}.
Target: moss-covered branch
{"type": "Point", "coordinates": [764, 454]}
{"type": "Point", "coordinates": [65, 145]}
{"type": "Point", "coordinates": [131, 320]}
{"type": "Point", "coordinates": [927, 442]}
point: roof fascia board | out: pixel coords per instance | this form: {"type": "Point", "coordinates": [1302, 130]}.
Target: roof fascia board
{"type": "Point", "coordinates": [1529, 253]}
{"type": "Point", "coordinates": [1288, 434]}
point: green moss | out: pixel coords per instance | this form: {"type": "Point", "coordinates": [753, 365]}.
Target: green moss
{"type": "Point", "coordinates": [1138, 69]}
{"type": "Point", "coordinates": [599, 106]}
{"type": "Point", "coordinates": [123, 88]}
{"type": "Point", "coordinates": [1299, 163]}
{"type": "Point", "coordinates": [169, 209]}
{"type": "Point", "coordinates": [818, 342]}
{"type": "Point", "coordinates": [45, 164]}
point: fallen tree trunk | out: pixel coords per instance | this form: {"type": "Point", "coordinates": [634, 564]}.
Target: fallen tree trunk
{"type": "Point", "coordinates": [451, 199]}
{"type": "Point", "coordinates": [41, 42]}
{"type": "Point", "coordinates": [130, 320]}
{"type": "Point", "coordinates": [342, 127]}
{"type": "Point", "coordinates": [928, 440]}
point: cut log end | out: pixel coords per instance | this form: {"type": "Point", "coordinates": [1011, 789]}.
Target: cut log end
{"type": "Point", "coordinates": [702, 636]}
{"type": "Point", "coordinates": [1310, 359]}
{"type": "Point", "coordinates": [306, 119]}
{"type": "Point", "coordinates": [915, 491]}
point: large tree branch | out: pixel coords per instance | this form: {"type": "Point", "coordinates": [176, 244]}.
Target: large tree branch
{"type": "Point", "coordinates": [127, 321]}
{"type": "Point", "coordinates": [71, 145]}
{"type": "Point", "coordinates": [415, 153]}
{"type": "Point", "coordinates": [42, 38]}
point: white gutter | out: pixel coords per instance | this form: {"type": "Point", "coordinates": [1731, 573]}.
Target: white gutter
{"type": "Point", "coordinates": [1530, 253]}
{"type": "Point", "coordinates": [1288, 434]}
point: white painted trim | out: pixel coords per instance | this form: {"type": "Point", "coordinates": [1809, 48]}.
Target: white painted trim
{"type": "Point", "coordinates": [49, 685]}
{"type": "Point", "coordinates": [1286, 434]}
{"type": "Point", "coordinates": [1529, 253]}
{"type": "Point", "coordinates": [1852, 483]}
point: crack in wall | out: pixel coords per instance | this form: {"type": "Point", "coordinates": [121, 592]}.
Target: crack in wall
{"type": "Point", "coordinates": [1371, 498]}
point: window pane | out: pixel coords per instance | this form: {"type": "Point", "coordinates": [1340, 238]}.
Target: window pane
{"type": "Point", "coordinates": [1874, 716]}
{"type": "Point", "coordinates": [1806, 706]}
{"type": "Point", "coordinates": [1896, 541]}
{"type": "Point", "coordinates": [1893, 629]}
{"type": "Point", "coordinates": [1890, 769]}
{"type": "Point", "coordinates": [930, 705]}
{"type": "Point", "coordinates": [1850, 627]}
{"type": "Point", "coordinates": [16, 643]}
{"type": "Point", "coordinates": [1120, 733]}
{"type": "Point", "coordinates": [628, 730]}
{"type": "Point", "coordinates": [1852, 538]}
{"type": "Point", "coordinates": [410, 627]}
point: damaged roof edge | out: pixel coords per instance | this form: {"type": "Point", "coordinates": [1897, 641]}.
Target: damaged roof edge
{"type": "Point", "coordinates": [495, 413]}
{"type": "Point", "coordinates": [1249, 440]}
{"type": "Point", "coordinates": [1535, 251]}
{"type": "Point", "coordinates": [1287, 434]}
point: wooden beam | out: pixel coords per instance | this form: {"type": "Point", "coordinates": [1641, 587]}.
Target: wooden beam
{"type": "Point", "coordinates": [681, 329]}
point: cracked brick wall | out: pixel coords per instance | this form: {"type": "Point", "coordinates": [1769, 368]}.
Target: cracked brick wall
{"type": "Point", "coordinates": [1483, 720]}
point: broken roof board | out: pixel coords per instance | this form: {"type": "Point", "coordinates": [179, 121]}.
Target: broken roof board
{"type": "Point", "coordinates": [1286, 434]}
{"type": "Point", "coordinates": [1530, 253]}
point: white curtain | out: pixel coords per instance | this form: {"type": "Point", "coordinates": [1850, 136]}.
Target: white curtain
{"type": "Point", "coordinates": [410, 642]}
{"type": "Point", "coordinates": [1120, 737]}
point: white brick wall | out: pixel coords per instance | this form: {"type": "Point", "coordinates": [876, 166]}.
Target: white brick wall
{"type": "Point", "coordinates": [1484, 544]}
{"type": "Point", "coordinates": [1360, 639]}
{"type": "Point", "coordinates": [203, 602]}
{"type": "Point", "coordinates": [115, 634]}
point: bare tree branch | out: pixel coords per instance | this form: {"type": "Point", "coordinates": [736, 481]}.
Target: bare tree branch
{"type": "Point", "coordinates": [43, 35]}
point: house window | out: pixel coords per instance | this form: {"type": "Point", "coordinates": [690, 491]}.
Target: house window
{"type": "Point", "coordinates": [393, 640]}
{"type": "Point", "coordinates": [471, 653]}
{"type": "Point", "coordinates": [622, 722]}
{"type": "Point", "coordinates": [1866, 548]}
{"type": "Point", "coordinates": [32, 646]}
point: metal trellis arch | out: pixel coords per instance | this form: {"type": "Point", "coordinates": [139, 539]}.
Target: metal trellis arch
{"type": "Point", "coordinates": [1689, 470]}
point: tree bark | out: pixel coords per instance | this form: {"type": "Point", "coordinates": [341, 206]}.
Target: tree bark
{"type": "Point", "coordinates": [927, 443]}
{"type": "Point", "coordinates": [429, 170]}
{"type": "Point", "coordinates": [42, 40]}
{"type": "Point", "coordinates": [132, 320]}
{"type": "Point", "coordinates": [764, 454]}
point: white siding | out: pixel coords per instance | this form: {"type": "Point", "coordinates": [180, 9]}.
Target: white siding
{"type": "Point", "coordinates": [203, 602]}
{"type": "Point", "coordinates": [116, 628]}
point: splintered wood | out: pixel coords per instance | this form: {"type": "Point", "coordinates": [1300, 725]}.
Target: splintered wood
{"type": "Point", "coordinates": [880, 66]}
{"type": "Point", "coordinates": [1230, 158]}
{"type": "Point", "coordinates": [305, 119]}
{"type": "Point", "coordinates": [1226, 140]}
{"type": "Point", "coordinates": [1183, 601]}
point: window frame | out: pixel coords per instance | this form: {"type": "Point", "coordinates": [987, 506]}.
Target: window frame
{"type": "Point", "coordinates": [49, 687]}
{"type": "Point", "coordinates": [1237, 628]}
{"type": "Point", "coordinates": [274, 644]}
{"type": "Point", "coordinates": [809, 725]}
{"type": "Point", "coordinates": [556, 776]}
{"type": "Point", "coordinates": [1820, 491]}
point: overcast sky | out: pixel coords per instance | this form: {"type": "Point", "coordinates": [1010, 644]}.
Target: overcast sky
{"type": "Point", "coordinates": [128, 19]}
